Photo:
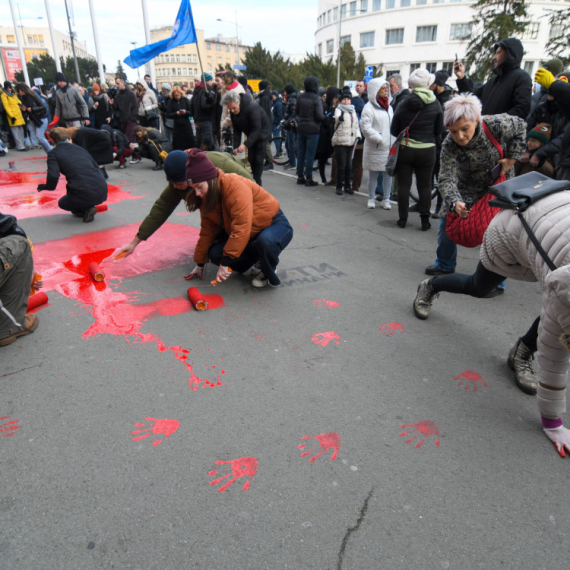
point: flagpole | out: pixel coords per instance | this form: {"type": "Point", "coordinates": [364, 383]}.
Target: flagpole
{"type": "Point", "coordinates": [53, 42]}
{"type": "Point", "coordinates": [102, 78]}
{"type": "Point", "coordinates": [22, 56]}
{"type": "Point", "coordinates": [147, 38]}
{"type": "Point", "coordinates": [200, 62]}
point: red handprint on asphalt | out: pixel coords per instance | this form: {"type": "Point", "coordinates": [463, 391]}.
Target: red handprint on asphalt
{"type": "Point", "coordinates": [330, 440]}
{"type": "Point", "coordinates": [324, 338]}
{"type": "Point", "coordinates": [391, 328]}
{"type": "Point", "coordinates": [471, 378]}
{"type": "Point", "coordinates": [325, 303]}
{"type": "Point", "coordinates": [9, 427]}
{"type": "Point", "coordinates": [422, 430]}
{"type": "Point", "coordinates": [242, 467]}
{"type": "Point", "coordinates": [165, 426]}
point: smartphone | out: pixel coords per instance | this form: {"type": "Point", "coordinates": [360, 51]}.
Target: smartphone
{"type": "Point", "coordinates": [496, 172]}
{"type": "Point", "coordinates": [456, 58]}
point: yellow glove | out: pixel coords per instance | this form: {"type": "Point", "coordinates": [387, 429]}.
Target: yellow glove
{"type": "Point", "coordinates": [544, 78]}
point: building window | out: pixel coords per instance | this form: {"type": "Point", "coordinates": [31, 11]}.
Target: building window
{"type": "Point", "coordinates": [448, 66]}
{"type": "Point", "coordinates": [218, 47]}
{"type": "Point", "coordinates": [421, 2]}
{"type": "Point", "coordinates": [320, 50]}
{"type": "Point", "coordinates": [179, 71]}
{"type": "Point", "coordinates": [391, 72]}
{"type": "Point", "coordinates": [11, 39]}
{"type": "Point", "coordinates": [432, 66]}
{"type": "Point", "coordinates": [460, 32]}
{"type": "Point", "coordinates": [376, 5]}
{"type": "Point", "coordinates": [41, 39]}
{"type": "Point", "coordinates": [343, 11]}
{"type": "Point", "coordinates": [390, 4]}
{"type": "Point", "coordinates": [395, 36]}
{"type": "Point", "coordinates": [455, 0]}
{"type": "Point", "coordinates": [335, 13]}
{"type": "Point", "coordinates": [531, 32]}
{"type": "Point", "coordinates": [426, 34]}
{"type": "Point", "coordinates": [344, 40]}
{"type": "Point", "coordinates": [208, 46]}
{"type": "Point", "coordinates": [330, 46]}
{"type": "Point", "coordinates": [528, 65]}
{"type": "Point", "coordinates": [363, 6]}
{"type": "Point", "coordinates": [194, 58]}
{"type": "Point", "coordinates": [177, 58]}
{"type": "Point", "coordinates": [353, 8]}
{"type": "Point", "coordinates": [329, 16]}
{"type": "Point", "coordinates": [195, 71]}
{"type": "Point", "coordinates": [405, 3]}
{"type": "Point", "coordinates": [438, 1]}
{"type": "Point", "coordinates": [414, 66]}
{"type": "Point", "coordinates": [30, 40]}
{"type": "Point", "coordinates": [367, 40]}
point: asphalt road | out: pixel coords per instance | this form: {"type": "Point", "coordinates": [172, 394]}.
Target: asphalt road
{"type": "Point", "coordinates": [335, 354]}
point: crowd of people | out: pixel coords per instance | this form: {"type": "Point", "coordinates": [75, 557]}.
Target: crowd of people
{"type": "Point", "coordinates": [459, 140]}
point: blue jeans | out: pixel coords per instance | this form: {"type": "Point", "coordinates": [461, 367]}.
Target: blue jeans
{"type": "Point", "coordinates": [265, 248]}
{"type": "Point", "coordinates": [379, 185]}
{"type": "Point", "coordinates": [276, 132]}
{"type": "Point", "coordinates": [38, 134]}
{"type": "Point", "coordinates": [290, 147]}
{"type": "Point", "coordinates": [307, 147]}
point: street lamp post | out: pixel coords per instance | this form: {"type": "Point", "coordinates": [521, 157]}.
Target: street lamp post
{"type": "Point", "coordinates": [237, 35]}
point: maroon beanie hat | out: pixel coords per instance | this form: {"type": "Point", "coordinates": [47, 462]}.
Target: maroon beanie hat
{"type": "Point", "coordinates": [198, 167]}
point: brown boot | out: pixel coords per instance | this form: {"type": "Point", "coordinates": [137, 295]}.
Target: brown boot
{"type": "Point", "coordinates": [31, 325]}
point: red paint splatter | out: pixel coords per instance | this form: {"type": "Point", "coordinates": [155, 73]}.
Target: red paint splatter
{"type": "Point", "coordinates": [303, 227]}
{"type": "Point", "coordinates": [8, 178]}
{"type": "Point", "coordinates": [243, 467]}
{"type": "Point", "coordinates": [391, 328]}
{"type": "Point", "coordinates": [471, 378]}
{"type": "Point", "coordinates": [7, 429]}
{"type": "Point", "coordinates": [165, 426]}
{"type": "Point", "coordinates": [324, 338]}
{"type": "Point", "coordinates": [325, 303]}
{"type": "Point", "coordinates": [330, 440]}
{"type": "Point", "coordinates": [182, 214]}
{"type": "Point", "coordinates": [116, 312]}
{"type": "Point", "coordinates": [422, 430]}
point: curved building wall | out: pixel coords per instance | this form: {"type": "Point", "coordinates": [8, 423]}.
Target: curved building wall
{"type": "Point", "coordinates": [425, 33]}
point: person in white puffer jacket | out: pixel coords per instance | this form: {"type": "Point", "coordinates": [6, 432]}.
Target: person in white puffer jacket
{"type": "Point", "coordinates": [346, 133]}
{"type": "Point", "coordinates": [375, 126]}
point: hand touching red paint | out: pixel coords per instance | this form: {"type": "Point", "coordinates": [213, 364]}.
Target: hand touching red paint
{"type": "Point", "coordinates": [560, 437]}
{"type": "Point", "coordinates": [391, 328]}
{"type": "Point", "coordinates": [7, 429]}
{"type": "Point", "coordinates": [470, 379]}
{"type": "Point", "coordinates": [422, 430]}
{"type": "Point", "coordinates": [165, 426]}
{"type": "Point", "coordinates": [196, 272]}
{"type": "Point", "coordinates": [243, 467]}
{"type": "Point", "coordinates": [324, 338]}
{"type": "Point", "coordinates": [330, 440]}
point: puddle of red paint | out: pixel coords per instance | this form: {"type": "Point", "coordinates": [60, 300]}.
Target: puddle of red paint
{"type": "Point", "coordinates": [324, 338]}
{"type": "Point", "coordinates": [9, 178]}
{"type": "Point", "coordinates": [242, 467]}
{"type": "Point", "coordinates": [116, 312]}
{"type": "Point", "coordinates": [7, 429]}
{"type": "Point", "coordinates": [326, 441]}
{"type": "Point", "coordinates": [391, 328]}
{"type": "Point", "coordinates": [164, 426]}
{"type": "Point", "coordinates": [421, 430]}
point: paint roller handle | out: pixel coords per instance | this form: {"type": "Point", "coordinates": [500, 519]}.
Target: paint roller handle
{"type": "Point", "coordinates": [125, 251]}
{"type": "Point", "coordinates": [196, 272]}
{"type": "Point", "coordinates": [223, 273]}
{"type": "Point", "coordinates": [37, 282]}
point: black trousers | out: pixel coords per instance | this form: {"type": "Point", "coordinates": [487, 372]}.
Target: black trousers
{"type": "Point", "coordinates": [256, 155]}
{"type": "Point", "coordinates": [77, 205]}
{"type": "Point", "coordinates": [421, 161]}
{"type": "Point", "coordinates": [343, 165]}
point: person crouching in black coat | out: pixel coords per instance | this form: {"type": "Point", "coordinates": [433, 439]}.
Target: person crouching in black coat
{"type": "Point", "coordinates": [121, 145]}
{"type": "Point", "coordinates": [86, 186]}
{"type": "Point", "coordinates": [249, 118]}
{"type": "Point", "coordinates": [151, 144]}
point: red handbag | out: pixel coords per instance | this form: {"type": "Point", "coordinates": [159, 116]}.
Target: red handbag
{"type": "Point", "coordinates": [469, 231]}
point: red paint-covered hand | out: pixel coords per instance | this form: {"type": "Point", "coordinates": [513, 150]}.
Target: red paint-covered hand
{"type": "Point", "coordinates": [196, 272]}
{"type": "Point", "coordinates": [165, 426]}
{"type": "Point", "coordinates": [470, 379]}
{"type": "Point", "coordinates": [391, 328]}
{"type": "Point", "coordinates": [326, 441]}
{"type": "Point", "coordinates": [242, 467]}
{"type": "Point", "coordinates": [560, 437]}
{"type": "Point", "coordinates": [423, 430]}
{"type": "Point", "coordinates": [324, 338]}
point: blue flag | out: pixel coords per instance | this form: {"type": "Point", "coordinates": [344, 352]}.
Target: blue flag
{"type": "Point", "coordinates": [183, 32]}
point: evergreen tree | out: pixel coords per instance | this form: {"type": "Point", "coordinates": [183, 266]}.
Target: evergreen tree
{"type": "Point", "coordinates": [42, 66]}
{"type": "Point", "coordinates": [351, 67]}
{"type": "Point", "coordinates": [314, 65]}
{"type": "Point", "coordinates": [494, 20]}
{"type": "Point", "coordinates": [559, 44]}
{"type": "Point", "coordinates": [120, 72]}
{"type": "Point", "coordinates": [258, 62]}
{"type": "Point", "coordinates": [226, 67]}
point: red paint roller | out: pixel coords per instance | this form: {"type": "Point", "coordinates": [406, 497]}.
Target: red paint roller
{"type": "Point", "coordinates": [37, 300]}
{"type": "Point", "coordinates": [102, 208]}
{"type": "Point", "coordinates": [96, 272]}
{"type": "Point", "coordinates": [197, 299]}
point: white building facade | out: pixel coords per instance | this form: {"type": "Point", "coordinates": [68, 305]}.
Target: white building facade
{"type": "Point", "coordinates": [403, 35]}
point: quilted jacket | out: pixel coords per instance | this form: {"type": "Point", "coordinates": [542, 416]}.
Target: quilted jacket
{"type": "Point", "coordinates": [507, 250]}
{"type": "Point", "coordinates": [346, 131]}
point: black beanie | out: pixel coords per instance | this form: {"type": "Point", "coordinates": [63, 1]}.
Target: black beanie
{"type": "Point", "coordinates": [263, 85]}
{"type": "Point", "coordinates": [60, 77]}
{"type": "Point", "coordinates": [289, 88]}
{"type": "Point", "coordinates": [441, 77]}
{"type": "Point", "coordinates": [7, 85]}
{"type": "Point", "coordinates": [175, 166]}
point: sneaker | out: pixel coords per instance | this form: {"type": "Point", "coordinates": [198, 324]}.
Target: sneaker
{"type": "Point", "coordinates": [31, 324]}
{"type": "Point", "coordinates": [89, 215]}
{"type": "Point", "coordinates": [520, 360]}
{"type": "Point", "coordinates": [386, 204]}
{"type": "Point", "coordinates": [349, 191]}
{"type": "Point", "coordinates": [135, 160]}
{"type": "Point", "coordinates": [311, 182]}
{"type": "Point", "coordinates": [301, 180]}
{"type": "Point", "coordinates": [291, 167]}
{"type": "Point", "coordinates": [260, 281]}
{"type": "Point", "coordinates": [494, 293]}
{"type": "Point", "coordinates": [268, 166]}
{"type": "Point", "coordinates": [371, 204]}
{"type": "Point", "coordinates": [121, 166]}
{"type": "Point", "coordinates": [436, 270]}
{"type": "Point", "coordinates": [424, 299]}
{"type": "Point", "coordinates": [254, 270]}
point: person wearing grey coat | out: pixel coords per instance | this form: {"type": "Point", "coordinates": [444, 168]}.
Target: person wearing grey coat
{"type": "Point", "coordinates": [507, 251]}
{"type": "Point", "coordinates": [70, 107]}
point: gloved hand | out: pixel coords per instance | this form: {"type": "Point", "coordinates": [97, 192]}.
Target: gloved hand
{"type": "Point", "coordinates": [544, 77]}
{"type": "Point", "coordinates": [42, 187]}
{"type": "Point", "coordinates": [54, 122]}
{"type": "Point", "coordinates": [560, 437]}
{"type": "Point", "coordinates": [197, 271]}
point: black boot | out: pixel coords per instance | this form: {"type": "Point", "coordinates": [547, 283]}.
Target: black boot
{"type": "Point", "coordinates": [402, 222]}
{"type": "Point", "coordinates": [338, 191]}
{"type": "Point", "coordinates": [425, 223]}
{"type": "Point", "coordinates": [348, 190]}
{"type": "Point", "coordinates": [104, 172]}
{"type": "Point", "coordinates": [157, 166]}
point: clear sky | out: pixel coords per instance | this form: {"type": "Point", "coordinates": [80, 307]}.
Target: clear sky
{"type": "Point", "coordinates": [286, 25]}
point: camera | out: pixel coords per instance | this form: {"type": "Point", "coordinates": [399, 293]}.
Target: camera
{"type": "Point", "coordinates": [228, 139]}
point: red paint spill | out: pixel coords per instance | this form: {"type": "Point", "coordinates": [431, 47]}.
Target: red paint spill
{"type": "Point", "coordinates": [324, 338]}
{"type": "Point", "coordinates": [243, 467]}
{"type": "Point", "coordinates": [330, 440]}
{"type": "Point", "coordinates": [7, 429]}
{"type": "Point", "coordinates": [325, 303]}
{"type": "Point", "coordinates": [470, 378]}
{"type": "Point", "coordinates": [116, 312]}
{"type": "Point", "coordinates": [391, 328]}
{"type": "Point", "coordinates": [165, 427]}
{"type": "Point", "coordinates": [7, 178]}
{"type": "Point", "coordinates": [422, 430]}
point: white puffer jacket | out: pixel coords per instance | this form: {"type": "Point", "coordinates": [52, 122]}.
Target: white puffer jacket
{"type": "Point", "coordinates": [375, 126]}
{"type": "Point", "coordinates": [148, 103]}
{"type": "Point", "coordinates": [507, 250]}
{"type": "Point", "coordinates": [348, 130]}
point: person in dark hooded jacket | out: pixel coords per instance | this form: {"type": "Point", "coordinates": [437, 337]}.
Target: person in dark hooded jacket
{"type": "Point", "coordinates": [289, 123]}
{"type": "Point", "coordinates": [325, 147]}
{"type": "Point", "coordinates": [509, 90]}
{"type": "Point", "coordinates": [265, 101]}
{"type": "Point", "coordinates": [121, 146]}
{"type": "Point", "coordinates": [309, 112]}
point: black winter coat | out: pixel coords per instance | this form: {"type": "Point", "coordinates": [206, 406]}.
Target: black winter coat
{"type": "Point", "coordinates": [84, 178]}
{"type": "Point", "coordinates": [444, 96]}
{"type": "Point", "coordinates": [560, 90]}
{"type": "Point", "coordinates": [118, 139]}
{"type": "Point", "coordinates": [126, 104]}
{"type": "Point", "coordinates": [202, 105]}
{"type": "Point", "coordinates": [427, 128]}
{"type": "Point", "coordinates": [251, 120]}
{"type": "Point", "coordinates": [289, 108]}
{"type": "Point", "coordinates": [172, 108]}
{"type": "Point", "coordinates": [96, 143]}
{"type": "Point", "coordinates": [38, 110]}
{"type": "Point", "coordinates": [398, 98]}
{"type": "Point", "coordinates": [549, 112]}
{"type": "Point", "coordinates": [510, 90]}
{"type": "Point", "coordinates": [103, 110]}
{"type": "Point", "coordinates": [309, 109]}
{"type": "Point", "coordinates": [265, 101]}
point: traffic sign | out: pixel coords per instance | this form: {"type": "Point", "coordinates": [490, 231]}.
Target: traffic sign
{"type": "Point", "coordinates": [240, 66]}
{"type": "Point", "coordinates": [369, 71]}
{"type": "Point", "coordinates": [368, 79]}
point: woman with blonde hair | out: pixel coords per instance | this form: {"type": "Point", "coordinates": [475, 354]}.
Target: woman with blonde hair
{"type": "Point", "coordinates": [179, 109]}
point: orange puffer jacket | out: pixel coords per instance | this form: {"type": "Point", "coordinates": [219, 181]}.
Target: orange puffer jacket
{"type": "Point", "coordinates": [246, 209]}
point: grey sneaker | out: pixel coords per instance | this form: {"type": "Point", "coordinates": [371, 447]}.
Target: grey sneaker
{"type": "Point", "coordinates": [254, 270]}
{"type": "Point", "coordinates": [260, 281]}
{"type": "Point", "coordinates": [520, 360]}
{"type": "Point", "coordinates": [424, 299]}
